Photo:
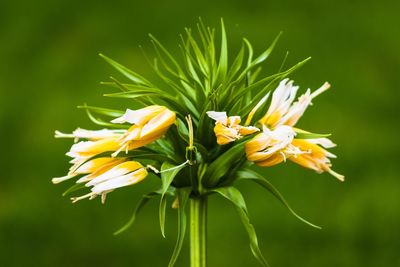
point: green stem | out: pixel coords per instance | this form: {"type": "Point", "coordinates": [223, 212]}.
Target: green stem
{"type": "Point", "coordinates": [198, 231]}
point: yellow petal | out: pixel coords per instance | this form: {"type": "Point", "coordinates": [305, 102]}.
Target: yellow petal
{"type": "Point", "coordinates": [273, 160]}
{"type": "Point", "coordinates": [158, 124]}
{"type": "Point", "coordinates": [225, 134]}
{"type": "Point", "coordinates": [141, 116]}
{"type": "Point", "coordinates": [92, 148]}
{"type": "Point", "coordinates": [246, 130]}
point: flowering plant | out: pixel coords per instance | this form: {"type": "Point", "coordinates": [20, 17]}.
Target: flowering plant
{"type": "Point", "coordinates": [202, 125]}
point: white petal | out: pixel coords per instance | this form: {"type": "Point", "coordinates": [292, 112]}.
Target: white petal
{"type": "Point", "coordinates": [234, 120]}
{"type": "Point", "coordinates": [127, 117]}
{"type": "Point", "coordinates": [118, 182]}
{"type": "Point", "coordinates": [57, 180]}
{"type": "Point", "coordinates": [139, 116]}
{"type": "Point", "coordinates": [119, 170]}
{"type": "Point", "coordinates": [325, 142]}
{"type": "Point", "coordinates": [99, 134]}
{"type": "Point", "coordinates": [320, 90]}
{"type": "Point", "coordinates": [218, 116]}
{"type": "Point", "coordinates": [58, 134]}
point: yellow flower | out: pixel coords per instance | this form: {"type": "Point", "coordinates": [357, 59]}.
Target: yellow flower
{"type": "Point", "coordinates": [315, 157]}
{"type": "Point", "coordinates": [105, 175]}
{"type": "Point", "coordinates": [149, 124]}
{"type": "Point", "coordinates": [271, 147]}
{"type": "Point", "coordinates": [124, 174]}
{"type": "Point", "coordinates": [90, 134]}
{"type": "Point", "coordinates": [98, 142]}
{"type": "Point", "coordinates": [282, 110]}
{"type": "Point", "coordinates": [90, 167]}
{"type": "Point", "coordinates": [227, 129]}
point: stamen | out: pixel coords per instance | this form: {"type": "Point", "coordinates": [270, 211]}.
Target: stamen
{"type": "Point", "coordinates": [320, 90]}
{"type": "Point", "coordinates": [58, 134]}
{"type": "Point", "coordinates": [336, 175]}
{"type": "Point", "coordinates": [253, 111]}
{"type": "Point", "coordinates": [57, 180]}
{"type": "Point", "coordinates": [154, 169]}
{"type": "Point", "coordinates": [175, 204]}
{"type": "Point", "coordinates": [90, 196]}
{"type": "Point", "coordinates": [103, 198]}
{"type": "Point", "coordinates": [190, 125]}
{"type": "Point", "coordinates": [283, 156]}
{"type": "Point", "coordinates": [119, 150]}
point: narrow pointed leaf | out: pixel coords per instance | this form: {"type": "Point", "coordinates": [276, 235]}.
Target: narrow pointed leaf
{"type": "Point", "coordinates": [99, 121]}
{"type": "Point", "coordinates": [133, 76]}
{"type": "Point", "coordinates": [223, 59]}
{"type": "Point", "coordinates": [139, 206]}
{"type": "Point", "coordinates": [223, 164]}
{"type": "Point", "coordinates": [259, 179]}
{"type": "Point", "coordinates": [301, 134]}
{"type": "Point", "coordinates": [183, 195]}
{"type": "Point", "coordinates": [266, 84]}
{"type": "Point", "coordinates": [103, 111]}
{"type": "Point", "coordinates": [267, 52]}
{"type": "Point", "coordinates": [73, 188]}
{"type": "Point", "coordinates": [168, 173]}
{"type": "Point", "coordinates": [234, 195]}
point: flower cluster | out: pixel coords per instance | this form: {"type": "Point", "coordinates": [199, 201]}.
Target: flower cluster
{"type": "Point", "coordinates": [278, 140]}
{"type": "Point", "coordinates": [104, 174]}
{"type": "Point", "coordinates": [189, 133]}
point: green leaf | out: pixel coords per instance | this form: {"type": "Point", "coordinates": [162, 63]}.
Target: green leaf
{"type": "Point", "coordinates": [183, 195]}
{"type": "Point", "coordinates": [301, 134]}
{"type": "Point", "coordinates": [223, 164]}
{"type": "Point", "coordinates": [169, 56]}
{"type": "Point", "coordinates": [133, 76]}
{"type": "Point", "coordinates": [259, 179]}
{"type": "Point", "coordinates": [182, 130]}
{"type": "Point", "coordinates": [223, 59]}
{"type": "Point", "coordinates": [168, 173]}
{"type": "Point", "coordinates": [132, 94]}
{"type": "Point", "coordinates": [103, 111]}
{"type": "Point", "coordinates": [99, 121]}
{"type": "Point", "coordinates": [267, 52]}
{"type": "Point", "coordinates": [73, 188]}
{"type": "Point", "coordinates": [201, 61]}
{"type": "Point", "coordinates": [179, 89]}
{"type": "Point", "coordinates": [236, 65]}
{"type": "Point", "coordinates": [266, 83]}
{"type": "Point", "coordinates": [139, 206]}
{"type": "Point", "coordinates": [234, 195]}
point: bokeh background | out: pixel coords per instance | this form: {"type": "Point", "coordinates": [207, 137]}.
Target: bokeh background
{"type": "Point", "coordinates": [49, 65]}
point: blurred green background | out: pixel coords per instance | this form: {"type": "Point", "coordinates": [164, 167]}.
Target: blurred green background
{"type": "Point", "coordinates": [49, 65]}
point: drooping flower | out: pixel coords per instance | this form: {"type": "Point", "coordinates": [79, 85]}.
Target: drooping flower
{"type": "Point", "coordinates": [315, 157]}
{"type": "Point", "coordinates": [148, 124]}
{"type": "Point", "coordinates": [124, 174]}
{"type": "Point", "coordinates": [90, 167]}
{"type": "Point", "coordinates": [227, 129]}
{"type": "Point", "coordinates": [105, 174]}
{"type": "Point", "coordinates": [277, 142]}
{"type": "Point", "coordinates": [97, 142]}
{"type": "Point", "coordinates": [282, 110]}
{"type": "Point", "coordinates": [90, 134]}
{"type": "Point", "coordinates": [269, 148]}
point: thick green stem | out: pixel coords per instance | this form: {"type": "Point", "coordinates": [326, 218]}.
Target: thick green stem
{"type": "Point", "coordinates": [198, 231]}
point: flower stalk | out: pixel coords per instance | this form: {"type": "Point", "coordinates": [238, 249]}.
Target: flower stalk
{"type": "Point", "coordinates": [198, 231]}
